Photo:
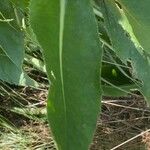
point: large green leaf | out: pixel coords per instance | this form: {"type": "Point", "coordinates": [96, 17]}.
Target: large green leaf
{"type": "Point", "coordinates": [124, 47]}
{"type": "Point", "coordinates": [11, 47]}
{"type": "Point", "coordinates": [67, 33]}
{"type": "Point", "coordinates": [139, 18]}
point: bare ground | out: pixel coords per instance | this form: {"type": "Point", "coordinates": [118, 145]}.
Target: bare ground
{"type": "Point", "coordinates": [123, 121]}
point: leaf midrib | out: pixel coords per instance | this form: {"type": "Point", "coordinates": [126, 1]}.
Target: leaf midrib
{"type": "Point", "coordinates": [61, 35]}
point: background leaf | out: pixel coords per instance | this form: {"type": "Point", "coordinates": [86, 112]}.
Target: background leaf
{"type": "Point", "coordinates": [124, 47]}
{"type": "Point", "coordinates": [137, 13]}
{"type": "Point", "coordinates": [67, 33]}
{"type": "Point", "coordinates": [11, 47]}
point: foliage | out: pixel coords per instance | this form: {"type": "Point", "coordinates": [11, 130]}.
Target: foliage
{"type": "Point", "coordinates": [76, 61]}
{"type": "Point", "coordinates": [124, 44]}
{"type": "Point", "coordinates": [73, 67]}
{"type": "Point", "coordinates": [12, 45]}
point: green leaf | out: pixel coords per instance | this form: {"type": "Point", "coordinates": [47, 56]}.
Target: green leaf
{"type": "Point", "coordinates": [139, 18]}
{"type": "Point", "coordinates": [11, 47]}
{"type": "Point", "coordinates": [122, 90]}
{"type": "Point", "coordinates": [67, 33]}
{"type": "Point", "coordinates": [11, 73]}
{"type": "Point", "coordinates": [124, 46]}
{"type": "Point", "coordinates": [10, 14]}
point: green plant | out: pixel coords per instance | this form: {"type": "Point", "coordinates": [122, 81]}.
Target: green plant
{"type": "Point", "coordinates": [81, 65]}
{"type": "Point", "coordinates": [73, 67]}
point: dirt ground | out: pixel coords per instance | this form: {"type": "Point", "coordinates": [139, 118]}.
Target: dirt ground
{"type": "Point", "coordinates": [123, 120]}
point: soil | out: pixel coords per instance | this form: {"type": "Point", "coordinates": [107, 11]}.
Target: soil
{"type": "Point", "coordinates": [121, 119]}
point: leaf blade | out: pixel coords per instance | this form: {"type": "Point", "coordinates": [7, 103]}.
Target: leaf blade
{"type": "Point", "coordinates": [124, 46]}
{"type": "Point", "coordinates": [11, 47]}
{"type": "Point", "coordinates": [80, 69]}
{"type": "Point", "coordinates": [137, 13]}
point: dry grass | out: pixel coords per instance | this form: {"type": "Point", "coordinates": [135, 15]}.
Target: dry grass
{"type": "Point", "coordinates": [31, 136]}
{"type": "Point", "coordinates": [122, 121]}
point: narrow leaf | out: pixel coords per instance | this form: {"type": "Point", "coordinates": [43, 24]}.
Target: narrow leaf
{"type": "Point", "coordinates": [66, 30]}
